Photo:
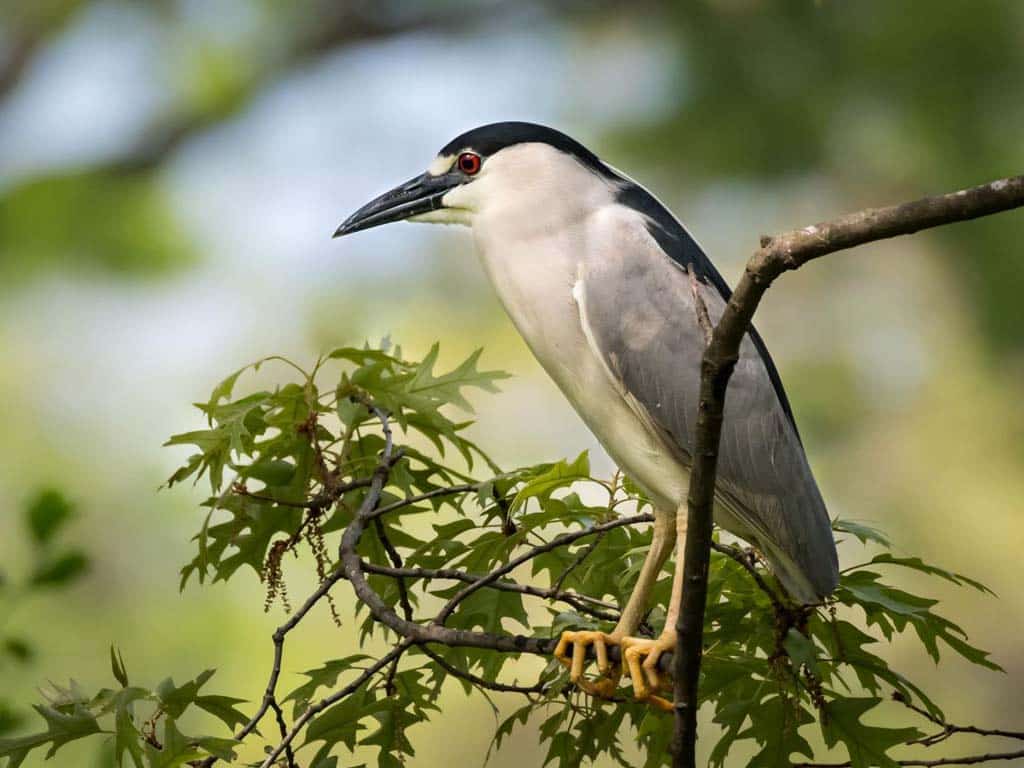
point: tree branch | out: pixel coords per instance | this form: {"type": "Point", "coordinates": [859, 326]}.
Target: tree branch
{"type": "Point", "coordinates": [582, 603]}
{"type": "Point", "coordinates": [558, 541]}
{"type": "Point", "coordinates": [352, 565]}
{"type": "Point", "coordinates": [334, 698]}
{"type": "Point", "coordinates": [475, 680]}
{"type": "Point", "coordinates": [948, 729]}
{"type": "Point", "coordinates": [775, 256]}
{"type": "Point", "coordinates": [988, 757]}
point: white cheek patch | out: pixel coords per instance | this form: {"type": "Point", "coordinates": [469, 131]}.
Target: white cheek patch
{"type": "Point", "coordinates": [441, 165]}
{"type": "Point", "coordinates": [444, 216]}
{"type": "Point", "coordinates": [457, 209]}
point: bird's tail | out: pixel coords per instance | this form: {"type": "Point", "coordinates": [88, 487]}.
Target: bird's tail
{"type": "Point", "coordinates": [808, 580]}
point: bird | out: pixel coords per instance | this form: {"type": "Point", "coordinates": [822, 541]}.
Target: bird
{"type": "Point", "coordinates": [605, 286]}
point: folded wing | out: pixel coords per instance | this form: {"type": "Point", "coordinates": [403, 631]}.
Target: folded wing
{"type": "Point", "coordinates": [640, 315]}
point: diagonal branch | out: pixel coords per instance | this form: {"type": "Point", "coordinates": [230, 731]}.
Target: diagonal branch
{"type": "Point", "coordinates": [988, 757]}
{"type": "Point", "coordinates": [511, 565]}
{"type": "Point", "coordinates": [582, 603]}
{"type": "Point", "coordinates": [352, 565]}
{"type": "Point", "coordinates": [469, 677]}
{"type": "Point", "coordinates": [334, 698]}
{"type": "Point", "coordinates": [949, 729]}
{"type": "Point", "coordinates": [776, 256]}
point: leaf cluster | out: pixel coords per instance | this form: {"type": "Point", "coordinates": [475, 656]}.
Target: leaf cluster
{"type": "Point", "coordinates": [289, 465]}
{"type": "Point", "coordinates": [142, 723]}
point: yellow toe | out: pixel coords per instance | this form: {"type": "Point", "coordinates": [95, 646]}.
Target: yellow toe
{"type": "Point", "coordinates": [571, 652]}
{"type": "Point", "coordinates": [640, 659]}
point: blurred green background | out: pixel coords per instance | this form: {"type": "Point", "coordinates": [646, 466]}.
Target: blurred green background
{"type": "Point", "coordinates": [171, 172]}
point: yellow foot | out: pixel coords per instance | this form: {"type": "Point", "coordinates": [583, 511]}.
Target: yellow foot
{"type": "Point", "coordinates": [571, 652]}
{"type": "Point", "coordinates": [640, 658]}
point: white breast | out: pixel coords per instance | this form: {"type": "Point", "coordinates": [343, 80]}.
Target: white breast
{"type": "Point", "coordinates": [534, 276]}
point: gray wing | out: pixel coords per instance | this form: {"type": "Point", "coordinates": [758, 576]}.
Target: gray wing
{"type": "Point", "coordinates": [640, 315]}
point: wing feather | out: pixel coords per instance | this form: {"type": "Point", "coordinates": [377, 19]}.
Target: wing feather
{"type": "Point", "coordinates": [642, 322]}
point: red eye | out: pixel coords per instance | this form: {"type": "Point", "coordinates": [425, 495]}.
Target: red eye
{"type": "Point", "coordinates": [469, 163]}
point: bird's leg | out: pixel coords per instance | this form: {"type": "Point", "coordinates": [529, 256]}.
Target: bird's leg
{"type": "Point", "coordinates": [640, 655]}
{"type": "Point", "coordinates": [572, 646]}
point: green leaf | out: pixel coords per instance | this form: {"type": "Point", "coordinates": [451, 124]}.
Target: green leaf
{"type": "Point", "coordinates": [117, 667]}
{"type": "Point", "coordinates": [871, 593]}
{"type": "Point", "coordinates": [324, 677]}
{"type": "Point", "coordinates": [393, 719]}
{"type": "Point", "coordinates": [127, 738]}
{"type": "Point", "coordinates": [273, 472]}
{"type": "Point", "coordinates": [222, 748]}
{"type": "Point", "coordinates": [776, 727]}
{"type": "Point", "coordinates": [233, 428]}
{"type": "Point", "coordinates": [448, 387]}
{"type": "Point", "coordinates": [341, 723]}
{"type": "Point", "coordinates": [46, 514]}
{"type": "Point", "coordinates": [917, 564]}
{"type": "Point", "coordinates": [864, 533]}
{"type": "Point", "coordinates": [174, 699]}
{"type": "Point", "coordinates": [867, 745]}
{"type": "Point", "coordinates": [223, 708]}
{"type": "Point", "coordinates": [176, 750]}
{"type": "Point", "coordinates": [559, 475]}
{"type": "Point", "coordinates": [224, 389]}
{"type": "Point", "coordinates": [61, 728]}
{"type": "Point", "coordinates": [60, 570]}
{"type": "Point", "coordinates": [802, 650]}
{"type": "Point", "coordinates": [733, 713]}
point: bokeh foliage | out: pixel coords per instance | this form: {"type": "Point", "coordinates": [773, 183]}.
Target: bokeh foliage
{"type": "Point", "coordinates": [773, 671]}
{"type": "Point", "coordinates": [885, 100]}
{"type": "Point", "coordinates": [861, 103]}
{"type": "Point", "coordinates": [53, 566]}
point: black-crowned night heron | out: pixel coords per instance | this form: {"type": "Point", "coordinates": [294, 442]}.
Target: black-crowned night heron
{"type": "Point", "coordinates": [600, 279]}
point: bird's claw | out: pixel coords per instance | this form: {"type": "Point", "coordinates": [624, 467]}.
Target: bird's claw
{"type": "Point", "coordinates": [578, 642]}
{"type": "Point", "coordinates": [640, 657]}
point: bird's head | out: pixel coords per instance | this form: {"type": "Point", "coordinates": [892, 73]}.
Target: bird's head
{"type": "Point", "coordinates": [511, 170]}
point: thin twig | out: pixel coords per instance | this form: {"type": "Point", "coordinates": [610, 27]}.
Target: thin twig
{"type": "Point", "coordinates": [396, 561]}
{"type": "Point", "coordinates": [334, 698]}
{"type": "Point", "coordinates": [589, 549]}
{"type": "Point", "coordinates": [965, 760]}
{"type": "Point", "coordinates": [743, 557]}
{"type": "Point", "coordinates": [388, 457]}
{"type": "Point", "coordinates": [511, 565]}
{"type": "Point", "coordinates": [582, 603]}
{"type": "Point", "coordinates": [949, 729]}
{"type": "Point", "coordinates": [318, 503]}
{"type": "Point", "coordinates": [275, 672]}
{"type": "Point", "coordinates": [577, 562]}
{"type": "Point", "coordinates": [403, 596]}
{"type": "Point", "coordinates": [469, 677]}
{"type": "Point", "coordinates": [451, 490]}
{"type": "Point", "coordinates": [279, 716]}
{"type": "Point", "coordinates": [352, 565]}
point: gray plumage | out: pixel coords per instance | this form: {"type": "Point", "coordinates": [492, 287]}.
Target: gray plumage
{"type": "Point", "coordinates": [641, 313]}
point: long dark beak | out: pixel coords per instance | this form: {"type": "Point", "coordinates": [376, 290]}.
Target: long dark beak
{"type": "Point", "coordinates": [420, 195]}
